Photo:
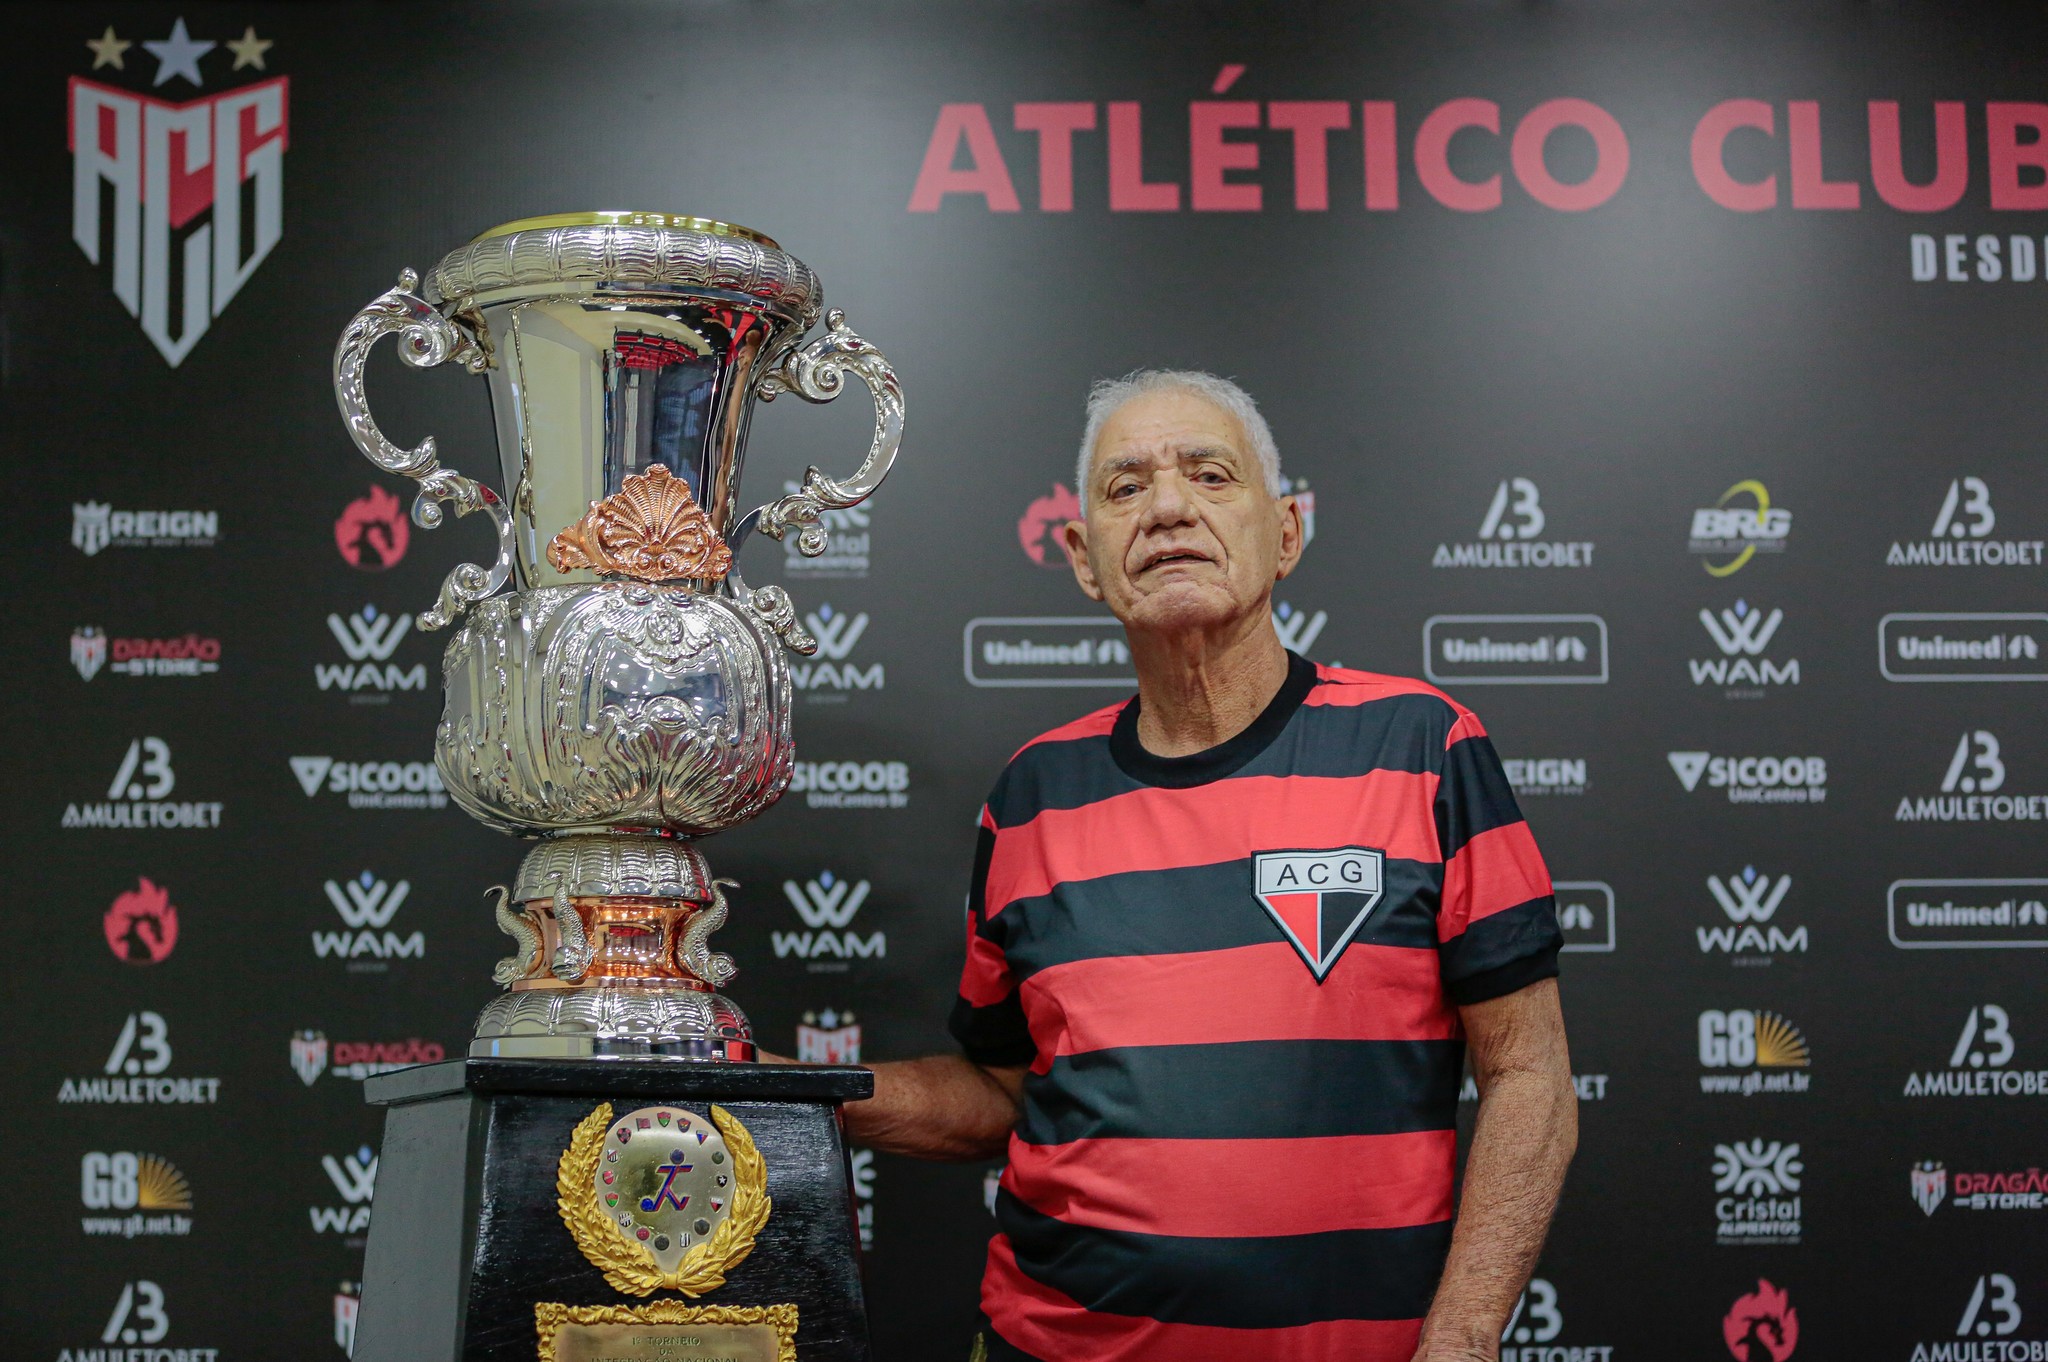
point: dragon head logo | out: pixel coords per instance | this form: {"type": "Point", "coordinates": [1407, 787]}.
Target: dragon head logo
{"type": "Point", "coordinates": [372, 531]}
{"type": "Point", "coordinates": [1038, 531]}
{"type": "Point", "coordinates": [1761, 1326]}
{"type": "Point", "coordinates": [142, 925]}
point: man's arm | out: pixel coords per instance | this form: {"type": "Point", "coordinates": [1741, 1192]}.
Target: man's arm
{"type": "Point", "coordinates": [939, 1107]}
{"type": "Point", "coordinates": [1528, 1126]}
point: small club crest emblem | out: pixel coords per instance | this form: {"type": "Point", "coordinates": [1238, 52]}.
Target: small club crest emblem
{"type": "Point", "coordinates": [1319, 899]}
{"type": "Point", "coordinates": [309, 1055]}
{"type": "Point", "coordinates": [1930, 1185]}
{"type": "Point", "coordinates": [88, 650]}
{"type": "Point", "coordinates": [673, 1202]}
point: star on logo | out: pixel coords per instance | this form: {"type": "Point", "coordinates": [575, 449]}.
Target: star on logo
{"type": "Point", "coordinates": [178, 55]}
{"type": "Point", "coordinates": [249, 49]}
{"type": "Point", "coordinates": [107, 50]}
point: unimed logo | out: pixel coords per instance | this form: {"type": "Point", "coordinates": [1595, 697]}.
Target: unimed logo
{"type": "Point", "coordinates": [1968, 914]}
{"type": "Point", "coordinates": [1968, 646]}
{"type": "Point", "coordinates": [1754, 780]}
{"type": "Point", "coordinates": [1585, 914]}
{"type": "Point", "coordinates": [1506, 650]}
{"type": "Point", "coordinates": [1047, 650]}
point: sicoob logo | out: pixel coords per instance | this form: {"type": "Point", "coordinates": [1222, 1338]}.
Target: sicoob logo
{"type": "Point", "coordinates": [181, 177]}
{"type": "Point", "coordinates": [1318, 899]}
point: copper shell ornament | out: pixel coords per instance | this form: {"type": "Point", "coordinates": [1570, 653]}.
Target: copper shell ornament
{"type": "Point", "coordinates": [651, 529]}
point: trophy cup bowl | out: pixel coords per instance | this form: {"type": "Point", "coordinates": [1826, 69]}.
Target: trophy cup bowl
{"type": "Point", "coordinates": [629, 694]}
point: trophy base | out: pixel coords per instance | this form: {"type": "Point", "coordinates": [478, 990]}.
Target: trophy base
{"type": "Point", "coordinates": [470, 1258]}
{"type": "Point", "coordinates": [604, 1022]}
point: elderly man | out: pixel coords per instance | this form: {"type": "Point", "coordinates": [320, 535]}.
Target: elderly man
{"type": "Point", "coordinates": [1228, 943]}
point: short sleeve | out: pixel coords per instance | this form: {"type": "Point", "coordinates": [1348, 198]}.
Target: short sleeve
{"type": "Point", "coordinates": [1497, 922]}
{"type": "Point", "coordinates": [988, 1020]}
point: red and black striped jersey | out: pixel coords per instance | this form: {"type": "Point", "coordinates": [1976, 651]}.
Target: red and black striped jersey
{"type": "Point", "coordinates": [1234, 979]}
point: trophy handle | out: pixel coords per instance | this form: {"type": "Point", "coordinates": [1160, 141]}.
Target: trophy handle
{"type": "Point", "coordinates": [817, 373]}
{"type": "Point", "coordinates": [426, 338]}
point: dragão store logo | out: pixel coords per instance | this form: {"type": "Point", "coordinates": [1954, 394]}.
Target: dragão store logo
{"type": "Point", "coordinates": [1761, 1326]}
{"type": "Point", "coordinates": [137, 1071]}
{"type": "Point", "coordinates": [1980, 1062]}
{"type": "Point", "coordinates": [852, 784]}
{"type": "Point", "coordinates": [1973, 789]}
{"type": "Point", "coordinates": [96, 525]}
{"type": "Point", "coordinates": [141, 925]}
{"type": "Point", "coordinates": [828, 1037]}
{"type": "Point", "coordinates": [354, 1178]}
{"type": "Point", "coordinates": [372, 531]}
{"type": "Point", "coordinates": [2020, 1189]}
{"type": "Point", "coordinates": [829, 676]}
{"type": "Point", "coordinates": [1759, 1201]}
{"type": "Point", "coordinates": [1736, 528]}
{"type": "Point", "coordinates": [312, 1056]}
{"type": "Point", "coordinates": [1751, 935]}
{"type": "Point", "coordinates": [140, 1317]}
{"type": "Point", "coordinates": [366, 943]}
{"type": "Point", "coordinates": [1535, 1330]}
{"type": "Point", "coordinates": [189, 655]}
{"type": "Point", "coordinates": [846, 550]}
{"type": "Point", "coordinates": [177, 232]}
{"type": "Point", "coordinates": [1745, 1051]}
{"type": "Point", "coordinates": [1546, 775]}
{"type": "Point", "coordinates": [148, 1188]}
{"type": "Point", "coordinates": [1511, 536]}
{"type": "Point", "coordinates": [1962, 534]}
{"type": "Point", "coordinates": [827, 906]}
{"type": "Point", "coordinates": [368, 638]}
{"type": "Point", "coordinates": [1754, 780]}
{"type": "Point", "coordinates": [1740, 633]}
{"type": "Point", "coordinates": [373, 784]}
{"type": "Point", "coordinates": [138, 795]}
{"type": "Point", "coordinates": [1986, 1329]}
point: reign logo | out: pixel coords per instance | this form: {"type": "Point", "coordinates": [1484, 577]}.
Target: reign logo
{"type": "Point", "coordinates": [187, 199]}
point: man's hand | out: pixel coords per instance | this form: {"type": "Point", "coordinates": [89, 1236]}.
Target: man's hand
{"type": "Point", "coordinates": [940, 1107]}
{"type": "Point", "coordinates": [1527, 1129]}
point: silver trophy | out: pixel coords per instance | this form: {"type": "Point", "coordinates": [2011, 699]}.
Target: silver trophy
{"type": "Point", "coordinates": [629, 695]}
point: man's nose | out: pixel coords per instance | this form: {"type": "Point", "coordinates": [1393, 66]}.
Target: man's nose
{"type": "Point", "coordinates": [1170, 502]}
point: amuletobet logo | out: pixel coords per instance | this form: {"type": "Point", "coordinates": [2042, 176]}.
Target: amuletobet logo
{"type": "Point", "coordinates": [197, 188]}
{"type": "Point", "coordinates": [1742, 524]}
{"type": "Point", "coordinates": [1319, 899]}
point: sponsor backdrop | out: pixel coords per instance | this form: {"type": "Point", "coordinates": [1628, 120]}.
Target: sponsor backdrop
{"type": "Point", "coordinates": [1666, 388]}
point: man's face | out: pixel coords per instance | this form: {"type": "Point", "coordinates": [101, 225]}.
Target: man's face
{"type": "Point", "coordinates": [1182, 532]}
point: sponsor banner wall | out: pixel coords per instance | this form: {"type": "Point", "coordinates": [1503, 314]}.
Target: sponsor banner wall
{"type": "Point", "coordinates": [1664, 385]}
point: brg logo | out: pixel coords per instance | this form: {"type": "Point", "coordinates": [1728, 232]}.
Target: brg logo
{"type": "Point", "coordinates": [1742, 524]}
{"type": "Point", "coordinates": [141, 926]}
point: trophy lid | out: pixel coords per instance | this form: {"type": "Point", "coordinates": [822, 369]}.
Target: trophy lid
{"type": "Point", "coordinates": [615, 217]}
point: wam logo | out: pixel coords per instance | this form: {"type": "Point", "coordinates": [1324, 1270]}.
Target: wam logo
{"type": "Point", "coordinates": [1759, 1182]}
{"type": "Point", "coordinates": [1977, 1065]}
{"type": "Point", "coordinates": [1961, 536]}
{"type": "Point", "coordinates": [366, 905]}
{"type": "Point", "coordinates": [1972, 789]}
{"type": "Point", "coordinates": [827, 905]}
{"type": "Point", "coordinates": [837, 633]}
{"type": "Point", "coordinates": [355, 1178]}
{"type": "Point", "coordinates": [1750, 901]}
{"type": "Point", "coordinates": [1298, 629]}
{"type": "Point", "coordinates": [1509, 536]}
{"type": "Point", "coordinates": [1741, 632]}
{"type": "Point", "coordinates": [368, 638]}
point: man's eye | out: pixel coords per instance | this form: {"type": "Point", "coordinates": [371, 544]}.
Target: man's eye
{"type": "Point", "coordinates": [1122, 489]}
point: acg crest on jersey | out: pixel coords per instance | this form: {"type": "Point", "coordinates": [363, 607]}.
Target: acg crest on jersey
{"type": "Point", "coordinates": [1319, 899]}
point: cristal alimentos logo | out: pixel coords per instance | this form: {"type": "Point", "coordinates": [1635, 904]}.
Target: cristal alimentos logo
{"type": "Point", "coordinates": [176, 231]}
{"type": "Point", "coordinates": [1759, 1183]}
{"type": "Point", "coordinates": [372, 531]}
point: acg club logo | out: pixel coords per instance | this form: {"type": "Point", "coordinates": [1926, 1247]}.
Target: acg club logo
{"type": "Point", "coordinates": [1742, 524]}
{"type": "Point", "coordinates": [371, 532]}
{"type": "Point", "coordinates": [828, 1037]}
{"type": "Point", "coordinates": [141, 926]}
{"type": "Point", "coordinates": [1039, 528]}
{"type": "Point", "coordinates": [181, 218]}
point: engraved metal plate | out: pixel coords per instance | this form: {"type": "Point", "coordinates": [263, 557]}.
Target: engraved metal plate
{"type": "Point", "coordinates": [666, 1331]}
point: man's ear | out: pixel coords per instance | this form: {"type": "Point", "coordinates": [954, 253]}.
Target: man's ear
{"type": "Point", "coordinates": [1292, 537]}
{"type": "Point", "coordinates": [1074, 539]}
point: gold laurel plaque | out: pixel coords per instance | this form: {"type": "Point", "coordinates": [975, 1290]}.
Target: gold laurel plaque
{"type": "Point", "coordinates": [662, 1200]}
{"type": "Point", "coordinates": [666, 1331]}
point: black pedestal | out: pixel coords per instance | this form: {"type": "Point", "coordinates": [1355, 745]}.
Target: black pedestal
{"type": "Point", "coordinates": [465, 1238]}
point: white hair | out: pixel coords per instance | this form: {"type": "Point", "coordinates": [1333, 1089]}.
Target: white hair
{"type": "Point", "coordinates": [1108, 395]}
